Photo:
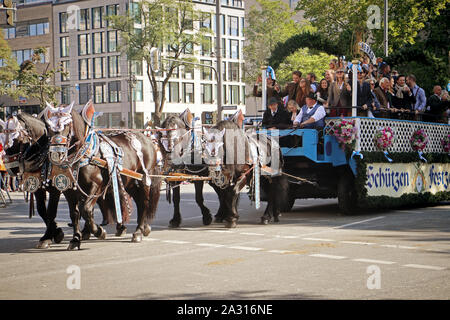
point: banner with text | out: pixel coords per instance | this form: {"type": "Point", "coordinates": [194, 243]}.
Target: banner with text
{"type": "Point", "coordinates": [396, 179]}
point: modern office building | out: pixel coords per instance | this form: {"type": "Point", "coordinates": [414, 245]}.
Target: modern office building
{"type": "Point", "coordinates": [32, 29]}
{"type": "Point", "coordinates": [88, 50]}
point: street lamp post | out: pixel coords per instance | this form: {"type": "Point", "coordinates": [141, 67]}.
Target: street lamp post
{"type": "Point", "coordinates": [219, 62]}
{"type": "Point", "coordinates": [386, 24]}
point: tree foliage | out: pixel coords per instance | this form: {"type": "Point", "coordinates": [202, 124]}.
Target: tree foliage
{"type": "Point", "coordinates": [36, 78]}
{"type": "Point", "coordinates": [268, 23]}
{"type": "Point", "coordinates": [8, 70]}
{"type": "Point", "coordinates": [306, 60]}
{"type": "Point", "coordinates": [172, 25]}
{"type": "Point", "coordinates": [338, 20]}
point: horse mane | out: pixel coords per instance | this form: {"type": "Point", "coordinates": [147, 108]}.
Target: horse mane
{"type": "Point", "coordinates": [79, 126]}
{"type": "Point", "coordinates": [35, 126]}
{"type": "Point", "coordinates": [172, 121]}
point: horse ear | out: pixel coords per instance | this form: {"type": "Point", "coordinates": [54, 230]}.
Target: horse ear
{"type": "Point", "coordinates": [88, 112]}
{"type": "Point", "coordinates": [68, 109]}
{"type": "Point", "coordinates": [221, 133]}
{"type": "Point", "coordinates": [48, 105]}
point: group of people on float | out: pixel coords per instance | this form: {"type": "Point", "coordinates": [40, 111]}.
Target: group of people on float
{"type": "Point", "coordinates": [381, 93]}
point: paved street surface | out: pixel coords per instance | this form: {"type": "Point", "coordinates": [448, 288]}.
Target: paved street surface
{"type": "Point", "coordinates": [313, 253]}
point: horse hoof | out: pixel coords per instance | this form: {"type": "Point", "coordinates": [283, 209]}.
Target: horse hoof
{"type": "Point", "coordinates": [102, 235]}
{"type": "Point", "coordinates": [276, 219]}
{"type": "Point", "coordinates": [70, 224]}
{"type": "Point", "coordinates": [59, 236]}
{"type": "Point", "coordinates": [207, 220]}
{"type": "Point", "coordinates": [44, 244]}
{"type": "Point", "coordinates": [73, 244]}
{"type": "Point", "coordinates": [231, 224]}
{"type": "Point", "coordinates": [85, 235]}
{"type": "Point", "coordinates": [147, 230]}
{"type": "Point", "coordinates": [136, 238]}
{"type": "Point", "coordinates": [173, 224]}
{"type": "Point", "coordinates": [218, 220]}
{"type": "Point", "coordinates": [264, 221]}
{"type": "Point", "coordinates": [121, 232]}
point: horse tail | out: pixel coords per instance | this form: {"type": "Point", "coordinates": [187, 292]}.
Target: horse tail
{"type": "Point", "coordinates": [155, 190]}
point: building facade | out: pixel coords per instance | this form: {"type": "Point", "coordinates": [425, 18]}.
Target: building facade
{"type": "Point", "coordinates": [88, 50]}
{"type": "Point", "coordinates": [33, 28]}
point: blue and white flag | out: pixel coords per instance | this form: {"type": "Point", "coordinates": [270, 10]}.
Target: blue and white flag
{"type": "Point", "coordinates": [270, 72]}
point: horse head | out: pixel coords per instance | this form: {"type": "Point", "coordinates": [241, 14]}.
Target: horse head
{"type": "Point", "coordinates": [24, 138]}
{"type": "Point", "coordinates": [175, 133]}
{"type": "Point", "coordinates": [213, 142]}
{"type": "Point", "coordinates": [61, 130]}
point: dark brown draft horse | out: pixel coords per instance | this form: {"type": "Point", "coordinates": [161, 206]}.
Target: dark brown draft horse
{"type": "Point", "coordinates": [74, 134]}
{"type": "Point", "coordinates": [176, 143]}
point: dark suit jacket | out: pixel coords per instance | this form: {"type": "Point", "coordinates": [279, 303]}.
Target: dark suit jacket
{"type": "Point", "coordinates": [290, 90]}
{"type": "Point", "coordinates": [281, 119]}
{"type": "Point", "coordinates": [437, 107]}
{"type": "Point", "coordinates": [383, 97]}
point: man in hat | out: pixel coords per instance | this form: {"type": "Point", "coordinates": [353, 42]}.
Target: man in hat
{"type": "Point", "coordinates": [275, 117]}
{"type": "Point", "coordinates": [311, 115]}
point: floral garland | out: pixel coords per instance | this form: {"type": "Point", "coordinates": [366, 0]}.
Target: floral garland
{"type": "Point", "coordinates": [345, 133]}
{"type": "Point", "coordinates": [419, 140]}
{"type": "Point", "coordinates": [446, 143]}
{"type": "Point", "coordinates": [384, 138]}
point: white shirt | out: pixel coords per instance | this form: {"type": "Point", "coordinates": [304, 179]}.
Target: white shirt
{"type": "Point", "coordinates": [318, 115]}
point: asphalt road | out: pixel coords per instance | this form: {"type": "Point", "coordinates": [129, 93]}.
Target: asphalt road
{"type": "Point", "coordinates": [312, 253]}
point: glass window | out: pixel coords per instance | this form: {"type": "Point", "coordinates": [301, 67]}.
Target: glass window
{"type": "Point", "coordinates": [40, 29]}
{"type": "Point", "coordinates": [224, 71]}
{"type": "Point", "coordinates": [206, 20]}
{"type": "Point", "coordinates": [233, 71]}
{"type": "Point", "coordinates": [84, 44]}
{"type": "Point", "coordinates": [85, 93]}
{"type": "Point", "coordinates": [99, 92]}
{"type": "Point", "coordinates": [84, 19]}
{"type": "Point", "coordinates": [138, 91]}
{"type": "Point", "coordinates": [174, 95]}
{"type": "Point", "coordinates": [97, 17]}
{"type": "Point", "coordinates": [63, 16]}
{"type": "Point", "coordinates": [32, 30]}
{"type": "Point", "coordinates": [189, 48]}
{"type": "Point", "coordinates": [188, 93]}
{"type": "Point", "coordinates": [65, 95]}
{"type": "Point", "coordinates": [99, 68]}
{"type": "Point", "coordinates": [113, 66]}
{"type": "Point", "coordinates": [234, 95]}
{"type": "Point", "coordinates": [27, 55]}
{"type": "Point", "coordinates": [83, 69]}
{"type": "Point", "coordinates": [65, 66]}
{"type": "Point", "coordinates": [136, 68]}
{"type": "Point", "coordinates": [188, 72]}
{"type": "Point", "coordinates": [207, 46]}
{"type": "Point", "coordinates": [112, 41]}
{"type": "Point", "coordinates": [207, 93]}
{"type": "Point", "coordinates": [233, 25]}
{"type": "Point", "coordinates": [98, 40]}
{"type": "Point", "coordinates": [114, 93]}
{"type": "Point", "coordinates": [135, 12]}
{"type": "Point", "coordinates": [205, 71]}
{"type": "Point", "coordinates": [112, 10]}
{"type": "Point", "coordinates": [224, 47]}
{"type": "Point", "coordinates": [46, 28]}
{"type": "Point", "coordinates": [64, 44]}
{"type": "Point", "coordinates": [175, 73]}
{"type": "Point", "coordinates": [234, 49]}
{"type": "Point", "coordinates": [187, 21]}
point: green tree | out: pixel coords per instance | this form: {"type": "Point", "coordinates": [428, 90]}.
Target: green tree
{"type": "Point", "coordinates": [306, 60]}
{"type": "Point", "coordinates": [268, 24]}
{"type": "Point", "coordinates": [173, 25]}
{"type": "Point", "coordinates": [36, 78]}
{"type": "Point", "coordinates": [9, 70]}
{"type": "Point", "coordinates": [346, 21]}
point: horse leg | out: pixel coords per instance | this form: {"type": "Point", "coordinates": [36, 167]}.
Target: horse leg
{"type": "Point", "coordinates": [46, 239]}
{"type": "Point", "coordinates": [52, 209]}
{"type": "Point", "coordinates": [207, 218]}
{"type": "Point", "coordinates": [276, 202]}
{"type": "Point", "coordinates": [218, 218]}
{"type": "Point", "coordinates": [231, 220]}
{"type": "Point", "coordinates": [142, 206]}
{"type": "Point", "coordinates": [153, 204]}
{"type": "Point", "coordinates": [176, 219]}
{"type": "Point", "coordinates": [75, 217]}
{"type": "Point", "coordinates": [87, 210]}
{"type": "Point", "coordinates": [267, 216]}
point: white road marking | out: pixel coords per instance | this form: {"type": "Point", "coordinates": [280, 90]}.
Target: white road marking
{"type": "Point", "coordinates": [374, 261]}
{"type": "Point", "coordinates": [358, 222]}
{"type": "Point", "coordinates": [286, 237]}
{"type": "Point", "coordinates": [213, 245]}
{"type": "Point", "coordinates": [221, 231]}
{"type": "Point", "coordinates": [421, 266]}
{"type": "Point", "coordinates": [319, 239]}
{"type": "Point", "coordinates": [175, 241]}
{"type": "Point", "coordinates": [327, 256]}
{"type": "Point", "coordinates": [252, 234]}
{"type": "Point", "coordinates": [407, 247]}
{"type": "Point", "coordinates": [151, 239]}
{"type": "Point", "coordinates": [358, 242]}
{"type": "Point", "coordinates": [280, 251]}
{"type": "Point", "coordinates": [245, 248]}
{"type": "Point", "coordinates": [397, 246]}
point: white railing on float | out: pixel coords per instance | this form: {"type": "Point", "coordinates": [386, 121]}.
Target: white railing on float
{"type": "Point", "coordinates": [403, 130]}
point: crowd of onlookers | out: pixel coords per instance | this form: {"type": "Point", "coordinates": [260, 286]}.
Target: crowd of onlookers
{"type": "Point", "coordinates": [381, 93]}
